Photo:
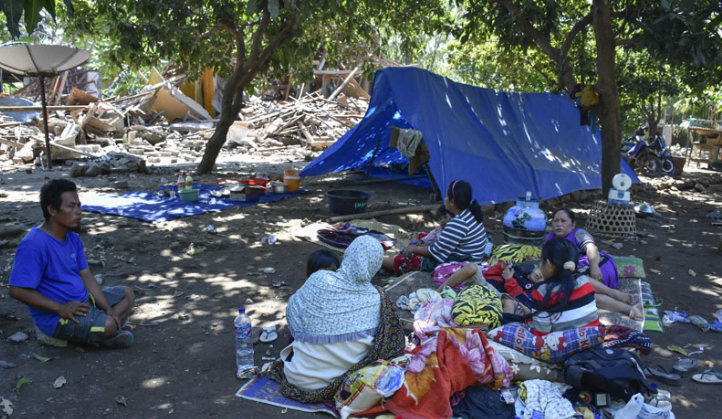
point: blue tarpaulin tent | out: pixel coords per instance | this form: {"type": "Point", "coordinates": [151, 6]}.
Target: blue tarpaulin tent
{"type": "Point", "coordinates": [503, 143]}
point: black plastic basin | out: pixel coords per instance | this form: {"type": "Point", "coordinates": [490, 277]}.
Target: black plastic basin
{"type": "Point", "coordinates": [347, 201]}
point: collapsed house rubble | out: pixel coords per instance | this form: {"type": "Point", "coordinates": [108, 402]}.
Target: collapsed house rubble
{"type": "Point", "coordinates": [161, 125]}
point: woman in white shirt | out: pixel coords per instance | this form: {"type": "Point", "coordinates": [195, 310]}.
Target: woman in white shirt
{"type": "Point", "coordinates": [340, 323]}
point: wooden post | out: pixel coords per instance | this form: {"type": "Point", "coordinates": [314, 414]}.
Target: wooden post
{"type": "Point", "coordinates": [345, 82]}
{"type": "Point", "coordinates": [45, 122]}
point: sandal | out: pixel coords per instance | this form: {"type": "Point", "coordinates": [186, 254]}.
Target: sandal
{"type": "Point", "coordinates": [685, 365]}
{"type": "Point", "coordinates": [268, 334]}
{"type": "Point", "coordinates": [708, 377]}
{"type": "Point", "coordinates": [700, 322]}
{"type": "Point", "coordinates": [661, 374]}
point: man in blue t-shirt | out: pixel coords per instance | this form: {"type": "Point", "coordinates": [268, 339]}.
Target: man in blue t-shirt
{"type": "Point", "coordinates": [51, 276]}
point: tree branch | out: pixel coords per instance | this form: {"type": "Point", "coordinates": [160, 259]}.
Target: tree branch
{"type": "Point", "coordinates": [258, 35]}
{"type": "Point", "coordinates": [541, 72]}
{"type": "Point", "coordinates": [260, 61]}
{"type": "Point", "coordinates": [578, 27]}
{"type": "Point", "coordinates": [629, 42]}
{"type": "Point", "coordinates": [527, 28]}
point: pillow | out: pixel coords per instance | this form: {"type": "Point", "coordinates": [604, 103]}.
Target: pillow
{"type": "Point", "coordinates": [517, 253]}
{"type": "Point", "coordinates": [554, 347]}
{"type": "Point", "coordinates": [363, 389]}
{"type": "Point", "coordinates": [629, 267]}
{"type": "Point", "coordinates": [477, 305]}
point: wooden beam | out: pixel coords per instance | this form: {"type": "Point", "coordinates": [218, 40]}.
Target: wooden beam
{"type": "Point", "coordinates": [74, 150]}
{"type": "Point", "coordinates": [40, 108]}
{"type": "Point", "coordinates": [372, 214]}
{"type": "Point", "coordinates": [306, 134]}
{"type": "Point", "coordinates": [345, 82]}
{"type": "Point", "coordinates": [11, 143]}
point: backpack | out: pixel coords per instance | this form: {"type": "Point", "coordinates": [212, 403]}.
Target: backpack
{"type": "Point", "coordinates": [605, 370]}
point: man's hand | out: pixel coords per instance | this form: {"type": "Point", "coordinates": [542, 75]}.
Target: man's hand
{"type": "Point", "coordinates": [110, 311]}
{"type": "Point", "coordinates": [73, 308]}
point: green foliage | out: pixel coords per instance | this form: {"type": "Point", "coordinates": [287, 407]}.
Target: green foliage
{"type": "Point", "coordinates": [30, 11]}
{"type": "Point", "coordinates": [13, 10]}
{"type": "Point", "coordinates": [486, 64]}
{"type": "Point", "coordinates": [199, 34]}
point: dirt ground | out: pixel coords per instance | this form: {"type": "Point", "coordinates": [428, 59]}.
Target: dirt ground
{"type": "Point", "coordinates": [183, 361]}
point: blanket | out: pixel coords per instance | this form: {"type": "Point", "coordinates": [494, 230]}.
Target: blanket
{"type": "Point", "coordinates": [463, 358]}
{"type": "Point", "coordinates": [149, 206]}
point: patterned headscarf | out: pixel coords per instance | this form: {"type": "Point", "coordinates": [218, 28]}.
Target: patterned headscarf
{"type": "Point", "coordinates": [343, 305]}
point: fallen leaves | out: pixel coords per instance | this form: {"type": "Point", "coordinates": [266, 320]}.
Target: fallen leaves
{"type": "Point", "coordinates": [21, 382]}
{"type": "Point", "coordinates": [40, 357]}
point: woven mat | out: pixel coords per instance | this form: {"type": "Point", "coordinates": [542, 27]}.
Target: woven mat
{"type": "Point", "coordinates": [632, 286]}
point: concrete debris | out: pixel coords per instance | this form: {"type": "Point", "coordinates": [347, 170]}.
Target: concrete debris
{"type": "Point", "coordinates": [161, 125]}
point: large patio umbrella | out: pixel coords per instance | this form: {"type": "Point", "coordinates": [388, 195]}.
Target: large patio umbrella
{"type": "Point", "coordinates": [41, 61]}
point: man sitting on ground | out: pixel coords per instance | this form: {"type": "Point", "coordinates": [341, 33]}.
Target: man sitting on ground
{"type": "Point", "coordinates": [51, 276]}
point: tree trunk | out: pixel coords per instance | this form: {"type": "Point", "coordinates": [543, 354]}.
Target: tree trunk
{"type": "Point", "coordinates": [609, 106]}
{"type": "Point", "coordinates": [215, 143]}
{"type": "Point", "coordinates": [567, 81]}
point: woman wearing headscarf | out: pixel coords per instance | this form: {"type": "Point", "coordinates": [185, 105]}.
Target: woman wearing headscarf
{"type": "Point", "coordinates": [340, 323]}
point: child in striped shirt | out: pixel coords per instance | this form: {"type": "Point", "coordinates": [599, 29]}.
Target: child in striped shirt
{"type": "Point", "coordinates": [562, 300]}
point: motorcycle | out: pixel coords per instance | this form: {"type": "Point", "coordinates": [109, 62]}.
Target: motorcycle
{"type": "Point", "coordinates": [651, 155]}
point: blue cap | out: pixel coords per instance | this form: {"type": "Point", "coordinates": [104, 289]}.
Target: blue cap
{"type": "Point", "coordinates": [242, 310]}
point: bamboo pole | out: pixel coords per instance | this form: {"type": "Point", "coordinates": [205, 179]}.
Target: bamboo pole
{"type": "Point", "coordinates": [393, 211]}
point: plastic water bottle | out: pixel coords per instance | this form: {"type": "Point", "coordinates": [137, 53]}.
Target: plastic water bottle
{"type": "Point", "coordinates": [245, 367]}
{"type": "Point", "coordinates": [180, 183]}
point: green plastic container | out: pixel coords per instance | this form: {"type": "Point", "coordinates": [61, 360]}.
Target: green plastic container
{"type": "Point", "coordinates": [190, 195]}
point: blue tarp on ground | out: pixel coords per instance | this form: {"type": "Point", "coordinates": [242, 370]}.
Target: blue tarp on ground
{"type": "Point", "coordinates": [147, 206]}
{"type": "Point", "coordinates": [503, 143]}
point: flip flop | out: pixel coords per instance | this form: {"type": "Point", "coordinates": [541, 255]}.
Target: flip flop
{"type": "Point", "coordinates": [661, 374]}
{"type": "Point", "coordinates": [700, 322]}
{"type": "Point", "coordinates": [676, 348]}
{"type": "Point", "coordinates": [708, 377]}
{"type": "Point", "coordinates": [685, 365]}
{"type": "Point", "coordinates": [656, 304]}
{"type": "Point", "coordinates": [268, 334]}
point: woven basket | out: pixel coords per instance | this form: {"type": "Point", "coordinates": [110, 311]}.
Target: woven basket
{"type": "Point", "coordinates": [613, 221]}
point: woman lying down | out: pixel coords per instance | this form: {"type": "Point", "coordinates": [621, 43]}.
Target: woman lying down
{"type": "Point", "coordinates": [519, 283]}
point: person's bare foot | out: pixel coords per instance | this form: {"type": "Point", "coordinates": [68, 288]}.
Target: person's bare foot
{"type": "Point", "coordinates": [628, 298]}
{"type": "Point", "coordinates": [636, 312]}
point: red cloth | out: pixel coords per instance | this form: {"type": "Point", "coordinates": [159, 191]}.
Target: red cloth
{"type": "Point", "coordinates": [463, 358]}
{"type": "Point", "coordinates": [511, 286]}
{"type": "Point", "coordinates": [408, 262]}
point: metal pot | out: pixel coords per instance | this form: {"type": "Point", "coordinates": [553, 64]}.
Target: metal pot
{"type": "Point", "coordinates": [278, 187]}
